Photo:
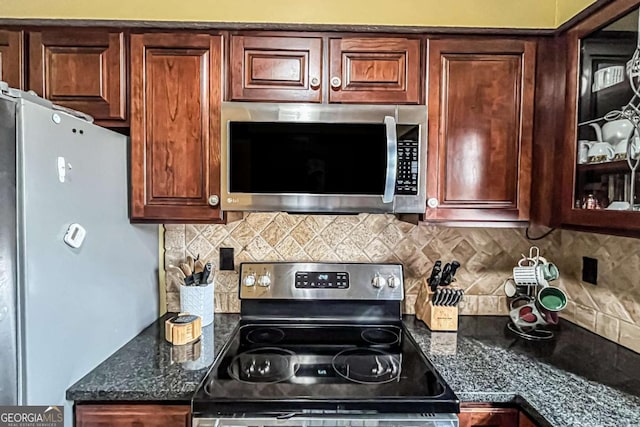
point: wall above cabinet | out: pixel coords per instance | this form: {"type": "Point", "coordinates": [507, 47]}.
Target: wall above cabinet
{"type": "Point", "coordinates": [462, 13]}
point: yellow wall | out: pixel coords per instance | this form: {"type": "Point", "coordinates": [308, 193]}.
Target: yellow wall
{"type": "Point", "coordinates": [566, 9]}
{"type": "Point", "coordinates": [458, 13]}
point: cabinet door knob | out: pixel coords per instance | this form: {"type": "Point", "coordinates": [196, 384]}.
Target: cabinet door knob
{"type": "Point", "coordinates": [214, 200]}
{"type": "Point", "coordinates": [432, 202]}
{"type": "Point", "coordinates": [315, 83]}
{"type": "Point", "coordinates": [336, 82]}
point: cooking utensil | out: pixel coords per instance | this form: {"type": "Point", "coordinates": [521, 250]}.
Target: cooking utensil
{"type": "Point", "coordinates": [191, 263]}
{"type": "Point", "coordinates": [452, 271]}
{"type": "Point", "coordinates": [451, 297]}
{"type": "Point", "coordinates": [206, 273]}
{"type": "Point", "coordinates": [445, 294]}
{"type": "Point", "coordinates": [186, 269]}
{"type": "Point", "coordinates": [199, 266]}
{"type": "Point", "coordinates": [439, 295]}
{"type": "Point", "coordinates": [459, 295]}
{"type": "Point", "coordinates": [446, 273]}
{"type": "Point", "coordinates": [434, 279]}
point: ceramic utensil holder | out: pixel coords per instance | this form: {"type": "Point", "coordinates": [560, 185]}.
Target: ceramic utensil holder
{"type": "Point", "coordinates": [198, 300]}
{"type": "Point", "coordinates": [436, 317]}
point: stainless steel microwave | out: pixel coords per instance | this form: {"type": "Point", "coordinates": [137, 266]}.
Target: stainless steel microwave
{"type": "Point", "coordinates": [323, 158]}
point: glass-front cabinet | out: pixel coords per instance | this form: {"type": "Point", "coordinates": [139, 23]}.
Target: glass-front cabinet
{"type": "Point", "coordinates": [604, 80]}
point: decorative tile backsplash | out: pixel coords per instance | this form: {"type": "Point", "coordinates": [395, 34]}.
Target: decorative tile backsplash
{"type": "Point", "coordinates": [487, 255]}
{"type": "Point", "coordinates": [612, 307]}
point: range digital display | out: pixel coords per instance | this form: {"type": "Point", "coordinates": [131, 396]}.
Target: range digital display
{"type": "Point", "coordinates": [322, 280]}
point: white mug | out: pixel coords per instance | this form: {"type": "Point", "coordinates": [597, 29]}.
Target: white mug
{"type": "Point", "coordinates": [531, 275]}
{"type": "Point", "coordinates": [583, 150]}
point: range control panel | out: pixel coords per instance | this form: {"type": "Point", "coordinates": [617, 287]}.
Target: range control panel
{"type": "Point", "coordinates": [321, 281]}
{"type": "Point", "coordinates": [325, 280]}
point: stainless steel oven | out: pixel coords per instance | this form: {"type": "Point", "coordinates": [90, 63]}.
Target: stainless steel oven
{"type": "Point", "coordinates": [323, 158]}
{"type": "Point", "coordinates": [322, 345]}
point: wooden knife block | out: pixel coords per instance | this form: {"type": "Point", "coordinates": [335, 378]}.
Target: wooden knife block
{"type": "Point", "coordinates": [437, 317]}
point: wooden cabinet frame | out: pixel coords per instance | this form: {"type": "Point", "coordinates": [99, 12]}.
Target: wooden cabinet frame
{"type": "Point", "coordinates": [618, 222]}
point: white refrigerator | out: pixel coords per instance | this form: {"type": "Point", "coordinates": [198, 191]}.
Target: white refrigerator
{"type": "Point", "coordinates": [64, 309]}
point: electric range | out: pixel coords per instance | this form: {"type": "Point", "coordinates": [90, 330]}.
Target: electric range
{"type": "Point", "coordinates": [322, 344]}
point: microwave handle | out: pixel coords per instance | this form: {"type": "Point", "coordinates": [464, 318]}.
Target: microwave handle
{"type": "Point", "coordinates": [392, 160]}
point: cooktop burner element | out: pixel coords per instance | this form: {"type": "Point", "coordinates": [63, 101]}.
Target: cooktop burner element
{"type": "Point", "coordinates": [367, 365]}
{"type": "Point", "coordinates": [263, 365]}
{"type": "Point", "coordinates": [335, 345]}
{"type": "Point", "coordinates": [380, 336]}
{"type": "Point", "coordinates": [265, 336]}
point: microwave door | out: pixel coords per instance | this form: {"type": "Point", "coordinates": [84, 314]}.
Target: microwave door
{"type": "Point", "coordinates": [392, 160]}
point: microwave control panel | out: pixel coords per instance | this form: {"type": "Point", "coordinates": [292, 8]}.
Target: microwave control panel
{"type": "Point", "coordinates": [407, 172]}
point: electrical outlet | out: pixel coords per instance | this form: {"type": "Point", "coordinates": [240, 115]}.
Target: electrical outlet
{"type": "Point", "coordinates": [226, 259]}
{"type": "Point", "coordinates": [590, 270]}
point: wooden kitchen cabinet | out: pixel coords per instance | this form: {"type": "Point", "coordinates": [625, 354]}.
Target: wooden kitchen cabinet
{"type": "Point", "coordinates": [597, 193]}
{"type": "Point", "coordinates": [488, 417]}
{"type": "Point", "coordinates": [290, 68]}
{"type": "Point", "coordinates": [524, 421]}
{"type": "Point", "coordinates": [275, 69]}
{"type": "Point", "coordinates": [374, 70]}
{"type": "Point", "coordinates": [138, 415]}
{"type": "Point", "coordinates": [81, 69]}
{"type": "Point", "coordinates": [12, 58]}
{"type": "Point", "coordinates": [481, 95]}
{"type": "Point", "coordinates": [175, 127]}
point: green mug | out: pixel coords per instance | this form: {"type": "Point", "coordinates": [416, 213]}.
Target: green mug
{"type": "Point", "coordinates": [552, 299]}
{"type": "Point", "coordinates": [549, 271]}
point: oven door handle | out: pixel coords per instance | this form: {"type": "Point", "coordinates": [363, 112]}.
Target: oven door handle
{"type": "Point", "coordinates": [392, 160]}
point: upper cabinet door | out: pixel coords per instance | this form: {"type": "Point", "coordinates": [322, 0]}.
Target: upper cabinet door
{"type": "Point", "coordinates": [82, 70]}
{"type": "Point", "coordinates": [374, 70]}
{"type": "Point", "coordinates": [601, 151]}
{"type": "Point", "coordinates": [12, 58]}
{"type": "Point", "coordinates": [481, 96]}
{"type": "Point", "coordinates": [175, 127]}
{"type": "Point", "coordinates": [275, 69]}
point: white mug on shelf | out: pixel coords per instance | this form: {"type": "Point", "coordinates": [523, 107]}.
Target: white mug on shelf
{"type": "Point", "coordinates": [583, 150]}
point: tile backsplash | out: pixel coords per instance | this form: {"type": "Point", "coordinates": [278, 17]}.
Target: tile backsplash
{"type": "Point", "coordinates": [612, 307]}
{"type": "Point", "coordinates": [487, 255]}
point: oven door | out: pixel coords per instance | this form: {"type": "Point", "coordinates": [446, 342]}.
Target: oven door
{"type": "Point", "coordinates": [377, 420]}
{"type": "Point", "coordinates": [309, 158]}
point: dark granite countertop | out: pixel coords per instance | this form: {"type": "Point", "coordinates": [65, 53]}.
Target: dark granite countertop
{"type": "Point", "coordinates": [578, 379]}
{"type": "Point", "coordinates": [145, 368]}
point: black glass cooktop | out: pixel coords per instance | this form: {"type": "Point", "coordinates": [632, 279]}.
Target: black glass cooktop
{"type": "Point", "coordinates": [288, 367]}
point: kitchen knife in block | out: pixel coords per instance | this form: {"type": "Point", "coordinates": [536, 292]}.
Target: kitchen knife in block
{"type": "Point", "coordinates": [436, 317]}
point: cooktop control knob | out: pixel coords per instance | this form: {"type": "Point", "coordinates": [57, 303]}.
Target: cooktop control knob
{"type": "Point", "coordinates": [250, 280]}
{"type": "Point", "coordinates": [265, 279]}
{"type": "Point", "coordinates": [393, 281]}
{"type": "Point", "coordinates": [378, 281]}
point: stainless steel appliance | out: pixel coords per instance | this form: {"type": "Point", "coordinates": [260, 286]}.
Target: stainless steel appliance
{"type": "Point", "coordinates": [77, 281]}
{"type": "Point", "coordinates": [323, 158]}
{"type": "Point", "coordinates": [322, 344]}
